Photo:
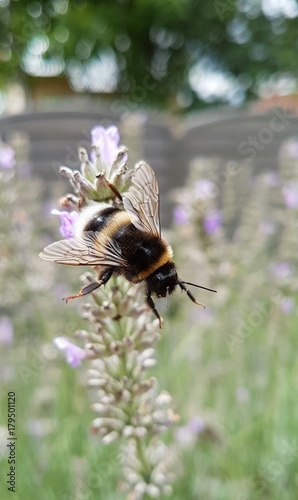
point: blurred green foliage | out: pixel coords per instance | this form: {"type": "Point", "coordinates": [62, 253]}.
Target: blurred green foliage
{"type": "Point", "coordinates": [155, 43]}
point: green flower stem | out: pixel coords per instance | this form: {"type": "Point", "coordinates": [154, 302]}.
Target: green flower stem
{"type": "Point", "coordinates": [146, 469]}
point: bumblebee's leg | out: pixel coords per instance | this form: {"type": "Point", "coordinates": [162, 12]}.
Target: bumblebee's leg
{"type": "Point", "coordinates": [84, 291]}
{"type": "Point", "coordinates": [111, 186]}
{"type": "Point", "coordinates": [92, 286]}
{"type": "Point", "coordinates": [190, 295]}
{"type": "Point", "coordinates": [151, 304]}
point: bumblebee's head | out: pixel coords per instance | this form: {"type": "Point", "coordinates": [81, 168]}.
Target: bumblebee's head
{"type": "Point", "coordinates": [164, 280]}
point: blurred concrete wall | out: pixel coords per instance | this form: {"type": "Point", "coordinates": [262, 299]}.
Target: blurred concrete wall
{"type": "Point", "coordinates": [53, 138]}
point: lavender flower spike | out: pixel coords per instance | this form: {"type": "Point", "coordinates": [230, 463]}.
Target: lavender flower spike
{"type": "Point", "coordinates": [119, 343]}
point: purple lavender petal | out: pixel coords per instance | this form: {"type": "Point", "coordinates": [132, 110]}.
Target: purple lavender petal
{"type": "Point", "coordinates": [6, 330]}
{"type": "Point", "coordinates": [68, 221]}
{"type": "Point", "coordinates": [186, 435]}
{"type": "Point", "coordinates": [7, 157]}
{"type": "Point", "coordinates": [290, 193]}
{"type": "Point", "coordinates": [197, 425]}
{"type": "Point", "coordinates": [281, 270]}
{"type": "Point", "coordinates": [287, 305]}
{"type": "Point", "coordinates": [180, 215]}
{"type": "Point", "coordinates": [107, 139]}
{"type": "Point", "coordinates": [212, 222]}
{"type": "Point", "coordinates": [72, 352]}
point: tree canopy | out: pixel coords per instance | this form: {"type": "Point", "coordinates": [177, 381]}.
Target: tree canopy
{"type": "Point", "coordinates": [181, 54]}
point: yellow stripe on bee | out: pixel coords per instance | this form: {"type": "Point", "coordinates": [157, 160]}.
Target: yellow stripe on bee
{"type": "Point", "coordinates": [118, 220]}
{"type": "Point", "coordinates": [163, 259]}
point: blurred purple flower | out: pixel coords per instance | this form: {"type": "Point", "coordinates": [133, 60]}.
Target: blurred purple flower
{"type": "Point", "coordinates": [287, 305]}
{"type": "Point", "coordinates": [271, 178]}
{"type": "Point", "coordinates": [205, 189]}
{"type": "Point", "coordinates": [7, 157]}
{"type": "Point", "coordinates": [281, 270]}
{"type": "Point", "coordinates": [186, 435]}
{"type": "Point", "coordinates": [68, 220]}
{"type": "Point", "coordinates": [197, 425]}
{"type": "Point", "coordinates": [180, 215]}
{"type": "Point", "coordinates": [6, 330]}
{"type": "Point", "coordinates": [212, 222]}
{"type": "Point", "coordinates": [290, 193]}
{"type": "Point", "coordinates": [107, 139]}
{"type": "Point", "coordinates": [73, 353]}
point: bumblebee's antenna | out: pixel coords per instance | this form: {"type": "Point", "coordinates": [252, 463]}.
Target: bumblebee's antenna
{"type": "Point", "coordinates": [198, 286]}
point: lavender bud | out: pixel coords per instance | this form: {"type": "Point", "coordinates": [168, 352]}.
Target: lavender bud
{"type": "Point", "coordinates": [84, 186]}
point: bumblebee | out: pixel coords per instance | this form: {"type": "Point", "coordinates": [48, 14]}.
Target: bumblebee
{"type": "Point", "coordinates": [124, 242]}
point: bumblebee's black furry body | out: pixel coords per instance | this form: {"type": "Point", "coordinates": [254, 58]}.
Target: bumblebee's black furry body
{"type": "Point", "coordinates": [141, 251]}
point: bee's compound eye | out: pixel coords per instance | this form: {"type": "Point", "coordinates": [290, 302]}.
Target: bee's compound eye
{"type": "Point", "coordinates": [157, 279]}
{"type": "Point", "coordinates": [156, 283]}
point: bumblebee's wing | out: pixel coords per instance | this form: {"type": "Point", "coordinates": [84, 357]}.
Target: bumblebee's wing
{"type": "Point", "coordinates": [88, 250]}
{"type": "Point", "coordinates": [142, 200]}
